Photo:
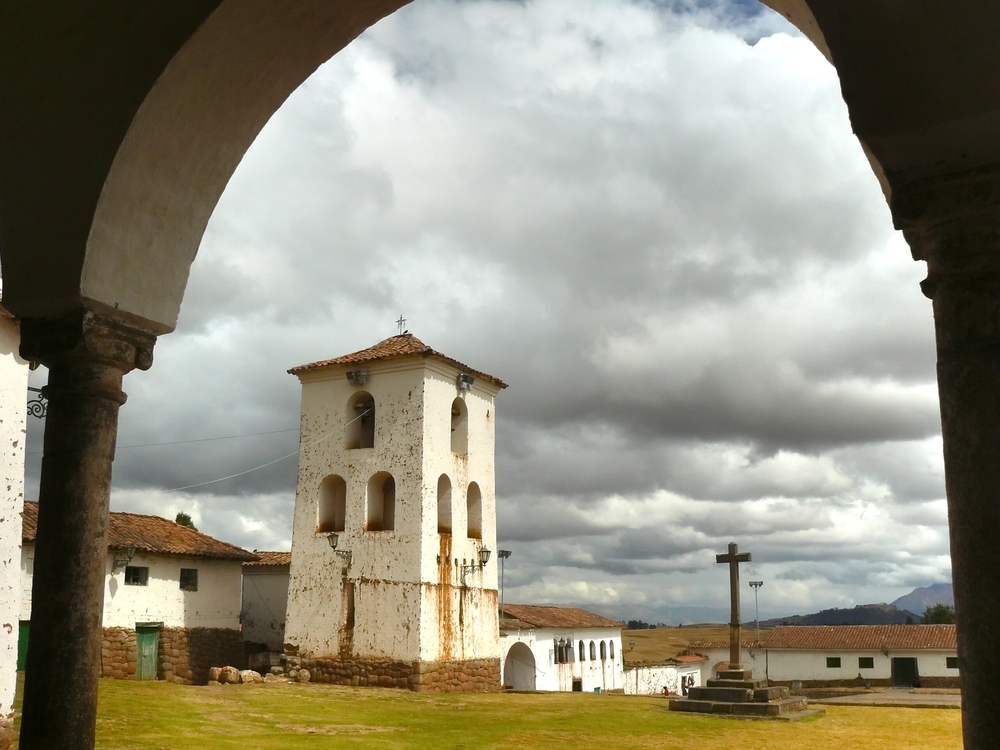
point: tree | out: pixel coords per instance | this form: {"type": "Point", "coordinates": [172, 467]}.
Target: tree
{"type": "Point", "coordinates": [939, 614]}
{"type": "Point", "coordinates": [184, 519]}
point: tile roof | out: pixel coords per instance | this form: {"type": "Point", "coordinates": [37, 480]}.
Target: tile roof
{"type": "Point", "coordinates": [533, 616]}
{"type": "Point", "coordinates": [862, 637]}
{"type": "Point", "coordinates": [688, 658]}
{"type": "Point", "coordinates": [403, 345]}
{"type": "Point", "coordinates": [150, 534]}
{"type": "Point", "coordinates": [715, 645]}
{"type": "Point", "coordinates": [269, 560]}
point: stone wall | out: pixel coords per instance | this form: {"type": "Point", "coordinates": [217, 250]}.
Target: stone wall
{"type": "Point", "coordinates": [471, 676]}
{"type": "Point", "coordinates": [185, 654]}
{"type": "Point", "coordinates": [6, 732]}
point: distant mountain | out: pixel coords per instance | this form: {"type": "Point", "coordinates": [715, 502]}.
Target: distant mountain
{"type": "Point", "coordinates": [921, 598]}
{"type": "Point", "coordinates": [863, 614]}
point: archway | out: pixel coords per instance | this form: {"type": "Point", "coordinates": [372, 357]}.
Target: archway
{"type": "Point", "coordinates": [519, 668]}
{"type": "Point", "coordinates": [99, 284]}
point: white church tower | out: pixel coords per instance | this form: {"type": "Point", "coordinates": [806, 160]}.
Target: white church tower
{"type": "Point", "coordinates": [394, 573]}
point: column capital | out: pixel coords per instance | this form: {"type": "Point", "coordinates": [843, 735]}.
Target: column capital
{"type": "Point", "coordinates": [84, 336]}
{"type": "Point", "coordinates": [952, 221]}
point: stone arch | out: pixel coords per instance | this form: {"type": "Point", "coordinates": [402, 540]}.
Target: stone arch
{"type": "Point", "coordinates": [459, 427]}
{"type": "Point", "coordinates": [331, 512]}
{"type": "Point", "coordinates": [474, 506]}
{"type": "Point", "coordinates": [519, 668]}
{"type": "Point", "coordinates": [359, 431]}
{"type": "Point", "coordinates": [444, 504]}
{"type": "Point", "coordinates": [381, 503]}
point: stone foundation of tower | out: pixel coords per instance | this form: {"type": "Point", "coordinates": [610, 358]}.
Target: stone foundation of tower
{"type": "Point", "coordinates": [467, 676]}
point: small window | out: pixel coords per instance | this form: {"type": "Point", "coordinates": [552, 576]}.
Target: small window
{"type": "Point", "coordinates": [444, 504]}
{"type": "Point", "coordinates": [474, 505]}
{"type": "Point", "coordinates": [459, 427]}
{"type": "Point", "coordinates": [951, 662]}
{"type": "Point", "coordinates": [611, 647]}
{"type": "Point", "coordinates": [381, 503]}
{"type": "Point", "coordinates": [136, 576]}
{"type": "Point", "coordinates": [360, 421]}
{"type": "Point", "coordinates": [604, 651]}
{"type": "Point", "coordinates": [583, 652]}
{"type": "Point", "coordinates": [189, 579]}
{"type": "Point", "coordinates": [833, 662]}
{"type": "Point", "coordinates": [866, 662]}
{"type": "Point", "coordinates": [593, 651]}
{"type": "Point", "coordinates": [331, 513]}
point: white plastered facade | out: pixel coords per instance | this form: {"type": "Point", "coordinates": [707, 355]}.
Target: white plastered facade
{"type": "Point", "coordinates": [402, 598]}
{"type": "Point", "coordinates": [265, 600]}
{"type": "Point", "coordinates": [13, 412]}
{"type": "Point", "coordinates": [659, 679]}
{"type": "Point", "coordinates": [216, 603]}
{"type": "Point", "coordinates": [543, 671]}
{"type": "Point", "coordinates": [788, 665]}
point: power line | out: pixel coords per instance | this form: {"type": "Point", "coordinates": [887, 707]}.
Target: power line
{"type": "Point", "coordinates": [269, 463]}
{"type": "Point", "coordinates": [196, 440]}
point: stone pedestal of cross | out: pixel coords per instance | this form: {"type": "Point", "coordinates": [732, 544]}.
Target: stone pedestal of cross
{"type": "Point", "coordinates": [734, 558]}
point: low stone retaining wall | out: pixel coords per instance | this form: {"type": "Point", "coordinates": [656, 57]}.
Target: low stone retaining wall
{"type": "Point", "coordinates": [935, 682]}
{"type": "Point", "coordinates": [471, 676]}
{"type": "Point", "coordinates": [184, 654]}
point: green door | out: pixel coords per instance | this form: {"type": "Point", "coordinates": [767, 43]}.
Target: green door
{"type": "Point", "coordinates": [147, 642]}
{"type": "Point", "coordinates": [22, 644]}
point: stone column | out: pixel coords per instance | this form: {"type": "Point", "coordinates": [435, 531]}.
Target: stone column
{"type": "Point", "coordinates": [87, 356]}
{"type": "Point", "coordinates": [953, 223]}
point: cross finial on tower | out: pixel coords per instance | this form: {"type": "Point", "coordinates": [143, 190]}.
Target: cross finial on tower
{"type": "Point", "coordinates": [401, 322]}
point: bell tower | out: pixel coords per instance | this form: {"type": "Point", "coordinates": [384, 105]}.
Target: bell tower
{"type": "Point", "coordinates": [393, 579]}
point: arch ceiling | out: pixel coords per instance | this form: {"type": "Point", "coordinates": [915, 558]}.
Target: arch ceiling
{"type": "Point", "coordinates": [124, 123]}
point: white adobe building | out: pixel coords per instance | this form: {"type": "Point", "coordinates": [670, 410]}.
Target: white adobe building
{"type": "Point", "coordinates": [265, 599]}
{"type": "Point", "coordinates": [13, 412]}
{"type": "Point", "coordinates": [676, 676]}
{"type": "Point", "coordinates": [560, 649]}
{"type": "Point", "coordinates": [171, 598]}
{"type": "Point", "coordinates": [831, 655]}
{"type": "Point", "coordinates": [396, 468]}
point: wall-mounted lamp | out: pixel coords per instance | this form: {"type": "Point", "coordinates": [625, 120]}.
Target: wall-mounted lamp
{"type": "Point", "coordinates": [465, 381]}
{"type": "Point", "coordinates": [357, 377]}
{"type": "Point", "coordinates": [121, 563]}
{"type": "Point", "coordinates": [885, 651]}
{"type": "Point", "coordinates": [484, 557]}
{"type": "Point", "coordinates": [345, 554]}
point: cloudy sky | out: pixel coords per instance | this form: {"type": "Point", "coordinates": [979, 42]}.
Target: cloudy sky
{"type": "Point", "coordinates": [654, 222]}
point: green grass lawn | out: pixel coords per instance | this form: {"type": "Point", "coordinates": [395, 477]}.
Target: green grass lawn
{"type": "Point", "coordinates": [174, 717]}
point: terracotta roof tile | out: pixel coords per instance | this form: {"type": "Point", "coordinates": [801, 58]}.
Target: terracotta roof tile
{"type": "Point", "coordinates": [270, 560]}
{"type": "Point", "coordinates": [713, 645]}
{"type": "Point", "coordinates": [150, 534]}
{"type": "Point", "coordinates": [688, 658]}
{"type": "Point", "coordinates": [862, 637]}
{"type": "Point", "coordinates": [404, 345]}
{"type": "Point", "coordinates": [534, 616]}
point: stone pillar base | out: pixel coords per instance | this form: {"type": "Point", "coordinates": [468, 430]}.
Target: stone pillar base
{"type": "Point", "coordinates": [465, 676]}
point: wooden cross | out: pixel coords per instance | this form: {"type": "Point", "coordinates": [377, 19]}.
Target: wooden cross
{"type": "Point", "coordinates": [734, 559]}
{"type": "Point", "coordinates": [401, 322]}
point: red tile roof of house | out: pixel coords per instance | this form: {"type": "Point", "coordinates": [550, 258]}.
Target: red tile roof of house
{"type": "Point", "coordinates": [688, 658]}
{"type": "Point", "coordinates": [862, 637]}
{"type": "Point", "coordinates": [269, 560]}
{"type": "Point", "coordinates": [403, 345]}
{"type": "Point", "coordinates": [527, 616]}
{"type": "Point", "coordinates": [150, 534]}
{"type": "Point", "coordinates": [715, 645]}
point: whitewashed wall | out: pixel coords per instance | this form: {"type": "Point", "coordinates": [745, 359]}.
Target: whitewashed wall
{"type": "Point", "coordinates": [216, 603]}
{"type": "Point", "coordinates": [265, 597]}
{"type": "Point", "coordinates": [753, 659]}
{"type": "Point", "coordinates": [607, 674]}
{"type": "Point", "coordinates": [653, 680]}
{"type": "Point", "coordinates": [786, 665]}
{"type": "Point", "coordinates": [13, 400]}
{"type": "Point", "coordinates": [403, 576]}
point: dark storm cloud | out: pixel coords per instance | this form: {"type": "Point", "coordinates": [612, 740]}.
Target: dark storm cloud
{"type": "Point", "coordinates": [655, 223]}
